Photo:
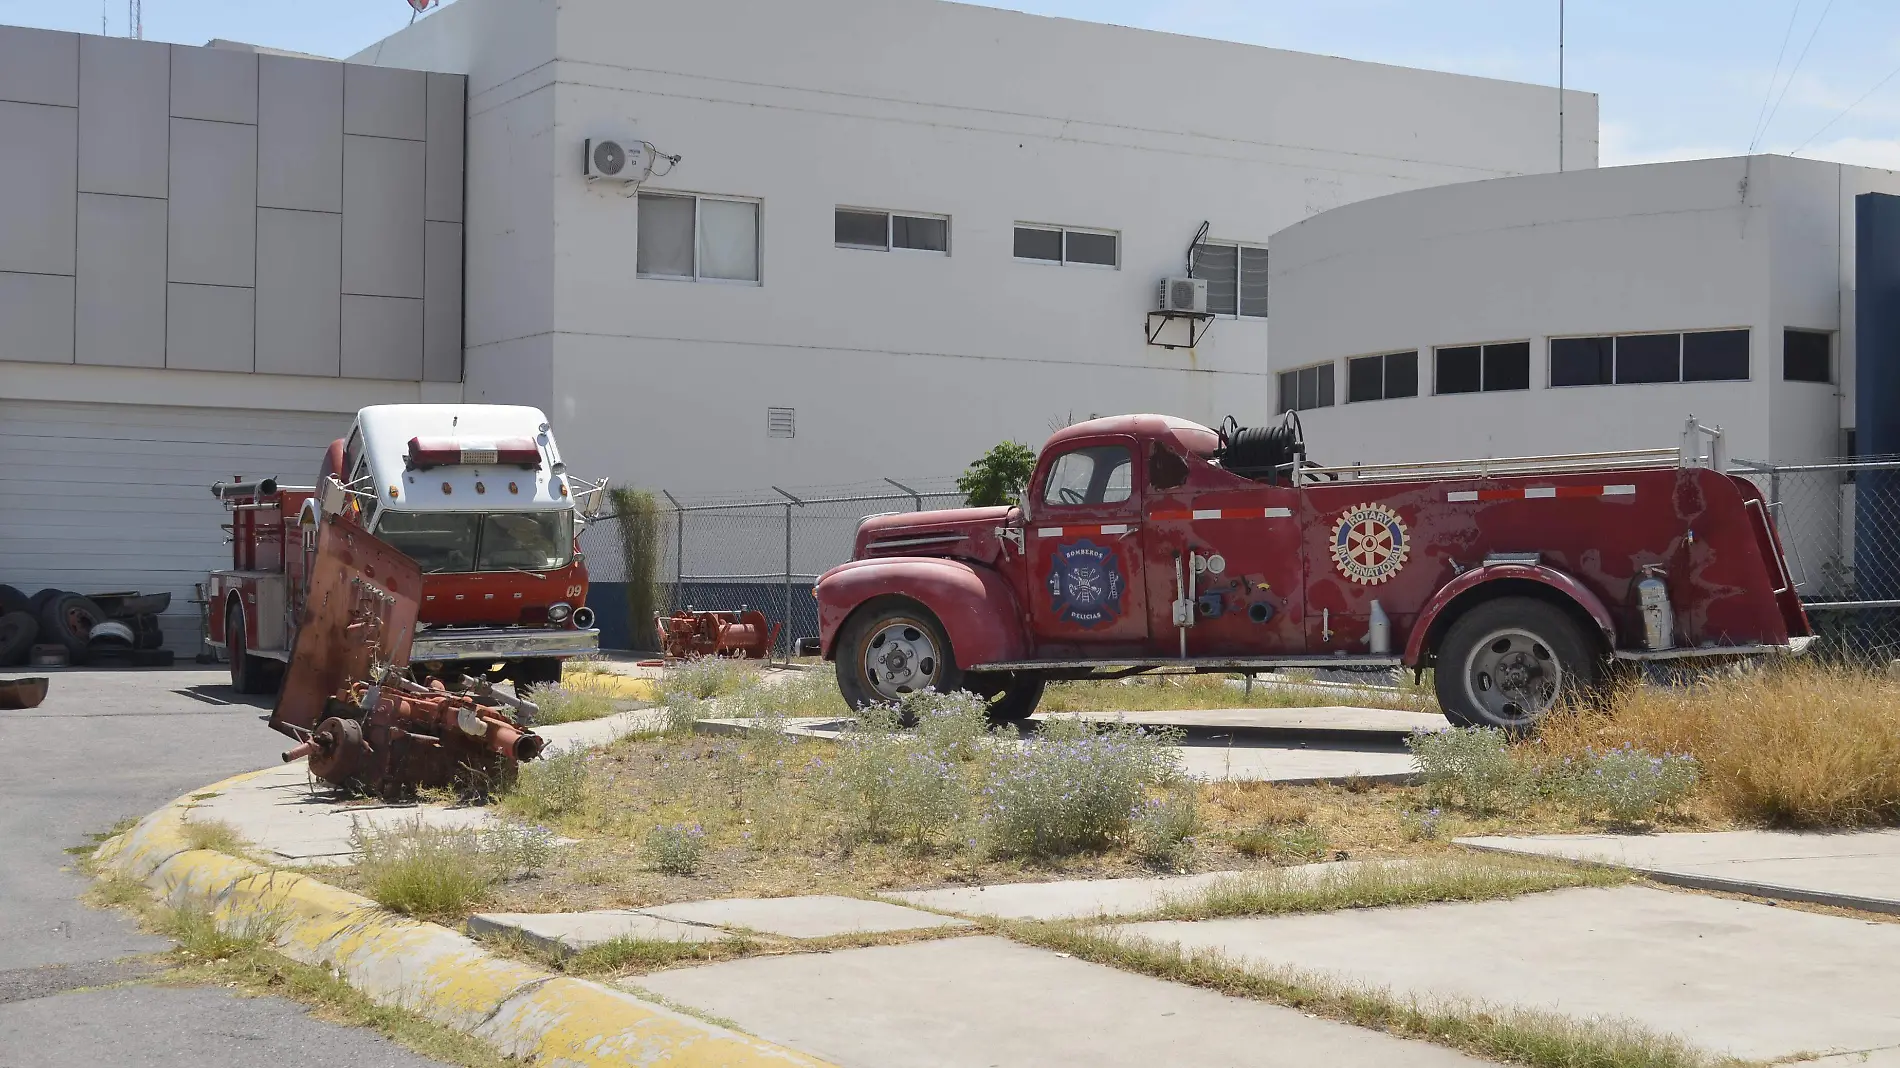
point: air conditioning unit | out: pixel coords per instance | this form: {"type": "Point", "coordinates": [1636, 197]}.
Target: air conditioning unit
{"type": "Point", "coordinates": [1184, 295]}
{"type": "Point", "coordinates": [617, 160]}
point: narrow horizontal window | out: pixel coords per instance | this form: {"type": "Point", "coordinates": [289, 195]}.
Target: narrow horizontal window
{"type": "Point", "coordinates": [1101, 250]}
{"type": "Point", "coordinates": [1371, 378]}
{"type": "Point", "coordinates": [1054, 244]}
{"type": "Point", "coordinates": [923, 233]}
{"type": "Point", "coordinates": [1307, 388]}
{"type": "Point", "coordinates": [1034, 243]}
{"type": "Point", "coordinates": [863, 229]}
{"type": "Point", "coordinates": [1806, 356]}
{"type": "Point", "coordinates": [1582, 361]}
{"type": "Point", "coordinates": [1648, 358]}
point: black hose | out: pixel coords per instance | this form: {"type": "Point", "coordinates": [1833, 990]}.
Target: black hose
{"type": "Point", "coordinates": [1261, 453]}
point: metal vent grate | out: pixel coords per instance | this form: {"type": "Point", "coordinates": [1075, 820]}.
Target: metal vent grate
{"type": "Point", "coordinates": [1183, 293]}
{"type": "Point", "coordinates": [609, 157]}
{"type": "Point", "coordinates": [781, 422]}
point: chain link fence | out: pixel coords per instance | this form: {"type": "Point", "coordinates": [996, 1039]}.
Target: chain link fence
{"type": "Point", "coordinates": [1840, 527]}
{"type": "Point", "coordinates": [722, 554]}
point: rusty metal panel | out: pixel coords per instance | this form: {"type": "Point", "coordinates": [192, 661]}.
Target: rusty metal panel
{"type": "Point", "coordinates": [358, 620]}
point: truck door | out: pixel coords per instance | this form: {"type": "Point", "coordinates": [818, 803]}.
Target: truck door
{"type": "Point", "coordinates": [1087, 592]}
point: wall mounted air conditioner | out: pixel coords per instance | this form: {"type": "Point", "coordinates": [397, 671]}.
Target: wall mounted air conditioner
{"type": "Point", "coordinates": [617, 160]}
{"type": "Point", "coordinates": [1184, 295]}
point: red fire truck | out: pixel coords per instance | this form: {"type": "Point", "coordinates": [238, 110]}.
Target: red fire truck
{"type": "Point", "coordinates": [1149, 543]}
{"type": "Point", "coordinates": [475, 494]}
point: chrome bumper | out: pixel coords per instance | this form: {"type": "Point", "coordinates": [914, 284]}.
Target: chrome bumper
{"type": "Point", "coordinates": [500, 643]}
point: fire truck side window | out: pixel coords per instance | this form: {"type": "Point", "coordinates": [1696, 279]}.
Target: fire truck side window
{"type": "Point", "coordinates": [1095, 474]}
{"type": "Point", "coordinates": [1166, 471]}
{"type": "Point", "coordinates": [353, 455]}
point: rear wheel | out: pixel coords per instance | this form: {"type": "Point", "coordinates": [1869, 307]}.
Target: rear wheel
{"type": "Point", "coordinates": [1507, 663]}
{"type": "Point", "coordinates": [249, 674]}
{"type": "Point", "coordinates": [1012, 697]}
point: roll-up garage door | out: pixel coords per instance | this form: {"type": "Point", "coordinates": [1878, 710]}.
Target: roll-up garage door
{"type": "Point", "coordinates": [107, 497]}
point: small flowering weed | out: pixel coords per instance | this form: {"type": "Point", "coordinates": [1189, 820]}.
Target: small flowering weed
{"type": "Point", "coordinates": [1163, 828]}
{"type": "Point", "coordinates": [952, 725]}
{"type": "Point", "coordinates": [1422, 826]}
{"type": "Point", "coordinates": [682, 711]}
{"type": "Point", "coordinates": [675, 848]}
{"type": "Point", "coordinates": [552, 786]}
{"type": "Point", "coordinates": [1626, 784]}
{"type": "Point", "coordinates": [1072, 787]}
{"type": "Point", "coordinates": [1468, 766]}
{"type": "Point", "coordinates": [580, 697]}
{"type": "Point", "coordinates": [707, 677]}
{"type": "Point", "coordinates": [887, 785]}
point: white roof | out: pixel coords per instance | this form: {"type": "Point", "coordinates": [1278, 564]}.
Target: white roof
{"type": "Point", "coordinates": [387, 428]}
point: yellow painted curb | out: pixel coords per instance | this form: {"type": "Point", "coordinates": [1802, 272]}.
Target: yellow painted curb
{"type": "Point", "coordinates": [425, 968]}
{"type": "Point", "coordinates": [622, 685]}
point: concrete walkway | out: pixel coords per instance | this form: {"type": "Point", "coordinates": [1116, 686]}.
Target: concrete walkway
{"type": "Point", "coordinates": [1859, 870]}
{"type": "Point", "coordinates": [1731, 976]}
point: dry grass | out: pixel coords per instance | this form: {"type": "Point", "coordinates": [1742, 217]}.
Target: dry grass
{"type": "Point", "coordinates": [1796, 745]}
{"type": "Point", "coordinates": [580, 695]}
{"type": "Point", "coordinates": [1381, 884]}
{"type": "Point", "coordinates": [1513, 1035]}
{"type": "Point", "coordinates": [1159, 693]}
{"type": "Point", "coordinates": [216, 836]}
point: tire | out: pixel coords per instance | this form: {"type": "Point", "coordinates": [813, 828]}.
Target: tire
{"type": "Point", "coordinates": [892, 647]}
{"type": "Point", "coordinates": [18, 631]}
{"type": "Point", "coordinates": [249, 674]}
{"type": "Point", "coordinates": [37, 602]}
{"type": "Point", "coordinates": [1506, 663]}
{"type": "Point", "coordinates": [541, 670]}
{"type": "Point", "coordinates": [67, 619]}
{"type": "Point", "coordinates": [12, 600]}
{"type": "Point", "coordinates": [1013, 697]}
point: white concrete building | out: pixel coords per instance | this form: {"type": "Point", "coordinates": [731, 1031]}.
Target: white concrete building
{"type": "Point", "coordinates": [1579, 311]}
{"type": "Point", "coordinates": [995, 145]}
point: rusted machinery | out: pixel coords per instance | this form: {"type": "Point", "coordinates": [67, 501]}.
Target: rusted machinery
{"type": "Point", "coordinates": [744, 634]}
{"type": "Point", "coordinates": [348, 701]}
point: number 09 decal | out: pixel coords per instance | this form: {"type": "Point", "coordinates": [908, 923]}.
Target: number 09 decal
{"type": "Point", "coordinates": [573, 591]}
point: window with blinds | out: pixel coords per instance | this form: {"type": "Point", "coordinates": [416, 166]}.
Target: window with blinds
{"type": "Point", "coordinates": [1236, 278]}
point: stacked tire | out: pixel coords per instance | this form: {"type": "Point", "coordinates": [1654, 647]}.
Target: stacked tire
{"type": "Point", "coordinates": [49, 617]}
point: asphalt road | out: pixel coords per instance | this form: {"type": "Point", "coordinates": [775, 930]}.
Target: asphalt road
{"type": "Point", "coordinates": [108, 744]}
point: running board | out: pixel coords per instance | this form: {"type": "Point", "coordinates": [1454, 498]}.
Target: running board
{"type": "Point", "coordinates": [1795, 647]}
{"type": "Point", "coordinates": [1202, 663]}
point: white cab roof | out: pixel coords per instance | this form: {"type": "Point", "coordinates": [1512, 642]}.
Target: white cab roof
{"type": "Point", "coordinates": [387, 428]}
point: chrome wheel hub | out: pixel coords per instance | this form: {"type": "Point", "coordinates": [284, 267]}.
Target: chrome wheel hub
{"type": "Point", "coordinates": [901, 659]}
{"type": "Point", "coordinates": [1514, 677]}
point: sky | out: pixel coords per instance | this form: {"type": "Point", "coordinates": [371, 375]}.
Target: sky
{"type": "Point", "coordinates": [1676, 79]}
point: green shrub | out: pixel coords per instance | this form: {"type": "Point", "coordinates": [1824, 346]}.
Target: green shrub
{"type": "Point", "coordinates": [1422, 826]}
{"type": "Point", "coordinates": [1164, 828]}
{"type": "Point", "coordinates": [998, 476]}
{"type": "Point", "coordinates": [1469, 766]}
{"type": "Point", "coordinates": [675, 848]}
{"type": "Point", "coordinates": [639, 520]}
{"type": "Point", "coordinates": [682, 711]}
{"type": "Point", "coordinates": [1071, 787]}
{"type": "Point", "coordinates": [887, 785]}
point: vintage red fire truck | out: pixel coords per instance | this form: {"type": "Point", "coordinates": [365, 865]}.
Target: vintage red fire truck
{"type": "Point", "coordinates": [475, 494]}
{"type": "Point", "coordinates": [1148, 543]}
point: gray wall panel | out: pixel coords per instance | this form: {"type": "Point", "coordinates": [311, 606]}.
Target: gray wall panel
{"type": "Point", "coordinates": [121, 283]}
{"type": "Point", "coordinates": [209, 328]}
{"type": "Point", "coordinates": [447, 121]}
{"type": "Point", "coordinates": [36, 318]}
{"type": "Point", "coordinates": [37, 174]}
{"type": "Point", "coordinates": [382, 337]}
{"type": "Point", "coordinates": [39, 66]}
{"type": "Point", "coordinates": [299, 312]}
{"type": "Point", "coordinates": [300, 134]}
{"type": "Point", "coordinates": [382, 217]}
{"type": "Point", "coordinates": [385, 102]}
{"type": "Point", "coordinates": [442, 304]}
{"type": "Point", "coordinates": [214, 83]}
{"type": "Point", "coordinates": [123, 126]}
{"type": "Point", "coordinates": [213, 203]}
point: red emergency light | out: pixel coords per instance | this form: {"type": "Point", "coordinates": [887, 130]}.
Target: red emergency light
{"type": "Point", "coordinates": [425, 453]}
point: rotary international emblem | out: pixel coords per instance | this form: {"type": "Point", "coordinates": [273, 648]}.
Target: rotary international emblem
{"type": "Point", "coordinates": [1085, 584]}
{"type": "Point", "coordinates": [1370, 544]}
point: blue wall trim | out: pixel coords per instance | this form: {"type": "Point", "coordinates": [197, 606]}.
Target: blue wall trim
{"type": "Point", "coordinates": [1876, 381]}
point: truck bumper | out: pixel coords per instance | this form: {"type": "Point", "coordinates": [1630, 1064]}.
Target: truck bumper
{"type": "Point", "coordinates": [500, 643]}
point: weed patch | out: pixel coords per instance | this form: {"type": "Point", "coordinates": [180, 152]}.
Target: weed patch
{"type": "Point", "coordinates": [441, 872]}
{"type": "Point", "coordinates": [1072, 787]}
{"type": "Point", "coordinates": [581, 695]}
{"type": "Point", "coordinates": [216, 836]}
{"type": "Point", "coordinates": [675, 848]}
{"type": "Point", "coordinates": [1380, 884]}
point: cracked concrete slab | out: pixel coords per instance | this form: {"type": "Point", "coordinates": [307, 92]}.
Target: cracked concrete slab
{"type": "Point", "coordinates": [814, 916]}
{"type": "Point", "coordinates": [574, 931]}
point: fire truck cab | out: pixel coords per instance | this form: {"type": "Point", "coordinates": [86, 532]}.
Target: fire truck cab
{"type": "Point", "coordinates": [476, 494]}
{"type": "Point", "coordinates": [1148, 543]}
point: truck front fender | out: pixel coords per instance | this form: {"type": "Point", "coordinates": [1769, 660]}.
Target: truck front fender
{"type": "Point", "coordinates": [977, 606]}
{"type": "Point", "coordinates": [1466, 588]}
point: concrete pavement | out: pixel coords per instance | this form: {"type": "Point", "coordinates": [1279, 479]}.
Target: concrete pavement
{"type": "Point", "coordinates": [105, 745]}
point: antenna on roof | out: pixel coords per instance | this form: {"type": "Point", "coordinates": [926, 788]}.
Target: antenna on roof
{"type": "Point", "coordinates": [135, 19]}
{"type": "Point", "coordinates": [1560, 86]}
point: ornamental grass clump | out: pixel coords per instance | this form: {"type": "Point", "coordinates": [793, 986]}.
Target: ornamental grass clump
{"type": "Point", "coordinates": [1472, 767]}
{"type": "Point", "coordinates": [1071, 787]}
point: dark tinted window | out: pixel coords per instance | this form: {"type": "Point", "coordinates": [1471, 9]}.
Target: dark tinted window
{"type": "Point", "coordinates": [1365, 379]}
{"type": "Point", "coordinates": [862, 229]}
{"type": "Point", "coordinates": [1035, 244]}
{"type": "Point", "coordinates": [1253, 282]}
{"type": "Point", "coordinates": [1289, 391]}
{"type": "Point", "coordinates": [1804, 356]}
{"type": "Point", "coordinates": [1649, 358]}
{"type": "Point", "coordinates": [1092, 248]}
{"type": "Point", "coordinates": [913, 231]}
{"type": "Point", "coordinates": [1581, 361]}
{"type": "Point", "coordinates": [1459, 370]}
{"type": "Point", "coordinates": [1715, 356]}
{"type": "Point", "coordinates": [1401, 375]}
{"type": "Point", "coordinates": [1308, 387]}
{"type": "Point", "coordinates": [1507, 366]}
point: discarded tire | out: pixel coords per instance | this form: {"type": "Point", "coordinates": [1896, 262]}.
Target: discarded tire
{"type": "Point", "coordinates": [68, 619]}
{"type": "Point", "coordinates": [12, 600]}
{"type": "Point", "coordinates": [37, 603]}
{"type": "Point", "coordinates": [17, 631]}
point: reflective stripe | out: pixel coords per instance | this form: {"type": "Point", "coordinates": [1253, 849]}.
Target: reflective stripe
{"type": "Point", "coordinates": [1279, 513]}
{"type": "Point", "coordinates": [1619, 491]}
{"type": "Point", "coordinates": [1538, 493]}
{"type": "Point", "coordinates": [1462, 496]}
{"type": "Point", "coordinates": [1541, 491]}
{"type": "Point", "coordinates": [1207, 513]}
{"type": "Point", "coordinates": [1049, 532]}
{"type": "Point", "coordinates": [1221, 513]}
{"type": "Point", "coordinates": [1118, 528]}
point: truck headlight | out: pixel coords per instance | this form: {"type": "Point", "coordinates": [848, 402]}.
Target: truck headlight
{"type": "Point", "coordinates": [558, 613]}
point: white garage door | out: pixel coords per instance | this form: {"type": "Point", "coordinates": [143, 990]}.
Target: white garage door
{"type": "Point", "coordinates": [104, 497]}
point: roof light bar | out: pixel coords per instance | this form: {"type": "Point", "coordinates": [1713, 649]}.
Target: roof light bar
{"type": "Point", "coordinates": [425, 453]}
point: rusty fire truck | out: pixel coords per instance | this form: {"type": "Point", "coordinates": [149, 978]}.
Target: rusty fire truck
{"type": "Point", "coordinates": [475, 494]}
{"type": "Point", "coordinates": [1148, 543]}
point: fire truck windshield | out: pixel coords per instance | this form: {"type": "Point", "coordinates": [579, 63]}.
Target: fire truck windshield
{"type": "Point", "coordinates": [443, 542]}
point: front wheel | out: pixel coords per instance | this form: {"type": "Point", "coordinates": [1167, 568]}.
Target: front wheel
{"type": "Point", "coordinates": [249, 674]}
{"type": "Point", "coordinates": [892, 650]}
{"type": "Point", "coordinates": [1507, 663]}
